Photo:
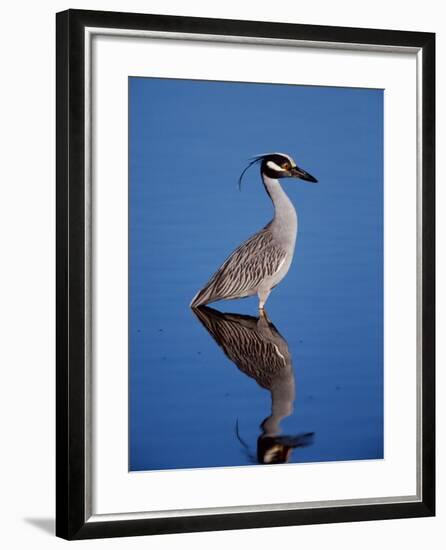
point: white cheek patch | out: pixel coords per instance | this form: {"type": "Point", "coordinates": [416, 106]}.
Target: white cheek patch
{"type": "Point", "coordinates": [274, 166]}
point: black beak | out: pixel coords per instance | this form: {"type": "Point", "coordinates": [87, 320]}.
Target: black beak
{"type": "Point", "coordinates": [297, 172]}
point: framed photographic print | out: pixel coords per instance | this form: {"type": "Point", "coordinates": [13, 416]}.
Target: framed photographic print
{"type": "Point", "coordinates": [245, 274]}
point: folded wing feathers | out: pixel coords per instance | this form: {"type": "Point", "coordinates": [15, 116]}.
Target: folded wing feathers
{"type": "Point", "coordinates": [256, 259]}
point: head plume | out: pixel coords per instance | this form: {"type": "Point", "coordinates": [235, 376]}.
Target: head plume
{"type": "Point", "coordinates": [253, 160]}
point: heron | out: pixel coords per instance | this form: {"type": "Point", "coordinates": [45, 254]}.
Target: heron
{"type": "Point", "coordinates": [261, 262]}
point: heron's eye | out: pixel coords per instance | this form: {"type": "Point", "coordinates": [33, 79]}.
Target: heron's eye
{"type": "Point", "coordinates": [286, 166]}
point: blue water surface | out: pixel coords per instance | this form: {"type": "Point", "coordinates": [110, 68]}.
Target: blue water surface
{"type": "Point", "coordinates": [190, 405]}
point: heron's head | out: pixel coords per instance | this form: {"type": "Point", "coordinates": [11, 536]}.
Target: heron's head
{"type": "Point", "coordinates": [279, 165]}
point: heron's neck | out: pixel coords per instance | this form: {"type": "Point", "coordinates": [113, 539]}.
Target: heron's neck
{"type": "Point", "coordinates": [284, 211]}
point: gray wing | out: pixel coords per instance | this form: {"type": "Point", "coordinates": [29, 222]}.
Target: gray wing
{"type": "Point", "coordinates": [253, 261]}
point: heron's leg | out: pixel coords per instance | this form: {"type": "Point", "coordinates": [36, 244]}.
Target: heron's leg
{"type": "Point", "coordinates": [263, 296]}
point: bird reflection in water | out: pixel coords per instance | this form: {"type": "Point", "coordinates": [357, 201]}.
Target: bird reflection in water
{"type": "Point", "coordinates": [258, 350]}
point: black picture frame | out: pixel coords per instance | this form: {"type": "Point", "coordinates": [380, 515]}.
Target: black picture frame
{"type": "Point", "coordinates": [71, 512]}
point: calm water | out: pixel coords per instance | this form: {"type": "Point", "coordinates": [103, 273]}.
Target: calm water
{"type": "Point", "coordinates": [225, 388]}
